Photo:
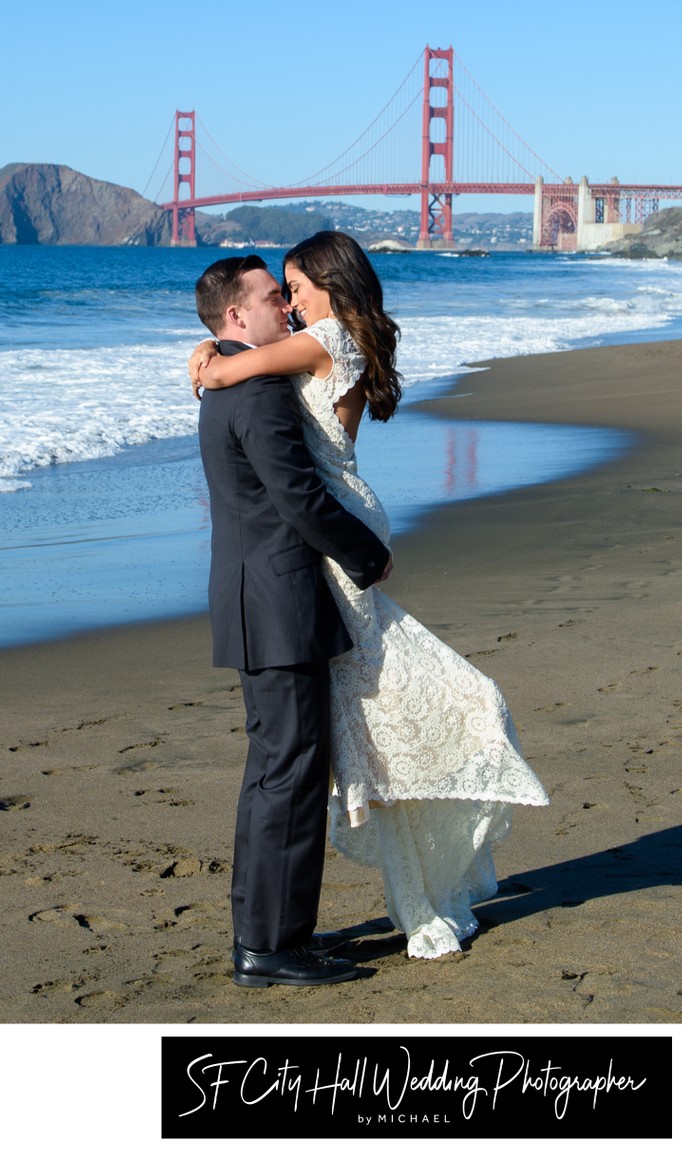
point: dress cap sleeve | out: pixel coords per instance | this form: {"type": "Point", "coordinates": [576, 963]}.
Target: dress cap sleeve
{"type": "Point", "coordinates": [348, 363]}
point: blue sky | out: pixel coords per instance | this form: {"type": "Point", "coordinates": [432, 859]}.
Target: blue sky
{"type": "Point", "coordinates": [592, 87]}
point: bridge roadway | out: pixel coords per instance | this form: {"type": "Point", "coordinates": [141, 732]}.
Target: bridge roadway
{"type": "Point", "coordinates": [645, 191]}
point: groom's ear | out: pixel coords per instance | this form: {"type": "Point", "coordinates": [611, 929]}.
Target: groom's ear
{"type": "Point", "coordinates": [233, 317]}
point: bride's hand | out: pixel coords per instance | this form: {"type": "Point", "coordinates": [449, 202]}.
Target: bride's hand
{"type": "Point", "coordinates": [200, 357]}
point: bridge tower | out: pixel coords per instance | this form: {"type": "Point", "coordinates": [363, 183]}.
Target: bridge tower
{"type": "Point", "coordinates": [184, 170]}
{"type": "Point", "coordinates": [435, 228]}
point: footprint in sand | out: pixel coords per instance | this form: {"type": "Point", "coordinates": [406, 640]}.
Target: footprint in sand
{"type": "Point", "coordinates": [73, 844]}
{"type": "Point", "coordinates": [16, 802]}
{"type": "Point", "coordinates": [182, 868]}
{"type": "Point", "coordinates": [62, 915]}
{"type": "Point", "coordinates": [202, 913]}
{"type": "Point", "coordinates": [43, 988]}
{"type": "Point", "coordinates": [135, 767]}
{"type": "Point", "coordinates": [57, 770]}
{"type": "Point", "coordinates": [635, 792]}
{"type": "Point", "coordinates": [565, 829]}
{"type": "Point", "coordinates": [74, 915]}
{"type": "Point", "coordinates": [142, 745]}
{"type": "Point", "coordinates": [163, 796]}
{"type": "Point", "coordinates": [98, 998]}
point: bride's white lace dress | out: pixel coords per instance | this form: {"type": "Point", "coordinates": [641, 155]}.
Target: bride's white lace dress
{"type": "Point", "coordinates": [415, 727]}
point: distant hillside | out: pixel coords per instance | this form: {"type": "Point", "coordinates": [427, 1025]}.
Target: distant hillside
{"type": "Point", "coordinates": [499, 230]}
{"type": "Point", "coordinates": [661, 237]}
{"type": "Point", "coordinates": [53, 204]}
{"type": "Point", "coordinates": [253, 225]}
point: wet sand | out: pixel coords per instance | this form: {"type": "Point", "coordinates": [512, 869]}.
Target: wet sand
{"type": "Point", "coordinates": [121, 757]}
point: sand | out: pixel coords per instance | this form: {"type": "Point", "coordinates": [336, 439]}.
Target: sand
{"type": "Point", "coordinates": [121, 756]}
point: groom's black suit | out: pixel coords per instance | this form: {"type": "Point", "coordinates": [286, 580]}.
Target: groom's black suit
{"type": "Point", "coordinates": [274, 618]}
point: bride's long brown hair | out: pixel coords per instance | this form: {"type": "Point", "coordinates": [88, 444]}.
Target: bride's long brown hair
{"type": "Point", "coordinates": [336, 263]}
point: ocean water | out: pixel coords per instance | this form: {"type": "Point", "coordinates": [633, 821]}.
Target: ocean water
{"type": "Point", "coordinates": [103, 505]}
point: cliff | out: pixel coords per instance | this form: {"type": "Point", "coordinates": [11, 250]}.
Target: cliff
{"type": "Point", "coordinates": [660, 237]}
{"type": "Point", "coordinates": [53, 204]}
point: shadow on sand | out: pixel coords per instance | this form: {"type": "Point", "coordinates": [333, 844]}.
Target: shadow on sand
{"type": "Point", "coordinates": [652, 860]}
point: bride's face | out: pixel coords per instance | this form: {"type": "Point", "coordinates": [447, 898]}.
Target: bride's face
{"type": "Point", "coordinates": [310, 302]}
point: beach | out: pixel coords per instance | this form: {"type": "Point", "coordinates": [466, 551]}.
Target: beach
{"type": "Point", "coordinates": [122, 754]}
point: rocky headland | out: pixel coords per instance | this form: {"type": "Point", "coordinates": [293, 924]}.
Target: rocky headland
{"type": "Point", "coordinates": [660, 238]}
{"type": "Point", "coordinates": [53, 204]}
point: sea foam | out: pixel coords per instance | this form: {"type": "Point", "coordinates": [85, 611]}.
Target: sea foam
{"type": "Point", "coordinates": [77, 403]}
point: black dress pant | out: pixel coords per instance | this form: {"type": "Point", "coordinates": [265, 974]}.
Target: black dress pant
{"type": "Point", "coordinates": [282, 811]}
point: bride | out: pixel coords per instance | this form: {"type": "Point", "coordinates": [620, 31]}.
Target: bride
{"type": "Point", "coordinates": [425, 759]}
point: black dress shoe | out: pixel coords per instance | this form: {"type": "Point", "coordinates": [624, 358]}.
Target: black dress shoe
{"type": "Point", "coordinates": [326, 943]}
{"type": "Point", "coordinates": [288, 967]}
{"type": "Point", "coordinates": [321, 944]}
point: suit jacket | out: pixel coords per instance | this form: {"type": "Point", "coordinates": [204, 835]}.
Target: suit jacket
{"type": "Point", "coordinates": [273, 520]}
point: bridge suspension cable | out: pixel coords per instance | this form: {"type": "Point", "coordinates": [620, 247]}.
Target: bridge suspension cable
{"type": "Point", "coordinates": [158, 161]}
{"type": "Point", "coordinates": [247, 182]}
{"type": "Point", "coordinates": [470, 152]}
{"type": "Point", "coordinates": [331, 169]}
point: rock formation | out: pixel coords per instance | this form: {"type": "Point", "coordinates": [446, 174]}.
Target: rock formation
{"type": "Point", "coordinates": [53, 204]}
{"type": "Point", "coordinates": [660, 237]}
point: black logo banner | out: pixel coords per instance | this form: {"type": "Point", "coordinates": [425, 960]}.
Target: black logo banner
{"type": "Point", "coordinates": [615, 1087]}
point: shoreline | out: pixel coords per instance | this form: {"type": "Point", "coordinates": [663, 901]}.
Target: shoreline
{"type": "Point", "coordinates": [122, 753]}
{"type": "Point", "coordinates": [125, 540]}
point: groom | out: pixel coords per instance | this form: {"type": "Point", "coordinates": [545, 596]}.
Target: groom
{"type": "Point", "coordinates": [274, 618]}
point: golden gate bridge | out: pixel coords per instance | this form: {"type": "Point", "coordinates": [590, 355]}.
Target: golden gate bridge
{"type": "Point", "coordinates": [438, 137]}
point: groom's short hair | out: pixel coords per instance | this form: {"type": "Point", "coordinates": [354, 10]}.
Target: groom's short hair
{"type": "Point", "coordinates": [221, 286]}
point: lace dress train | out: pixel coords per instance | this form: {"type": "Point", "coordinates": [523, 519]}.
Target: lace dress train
{"type": "Point", "coordinates": [425, 758]}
